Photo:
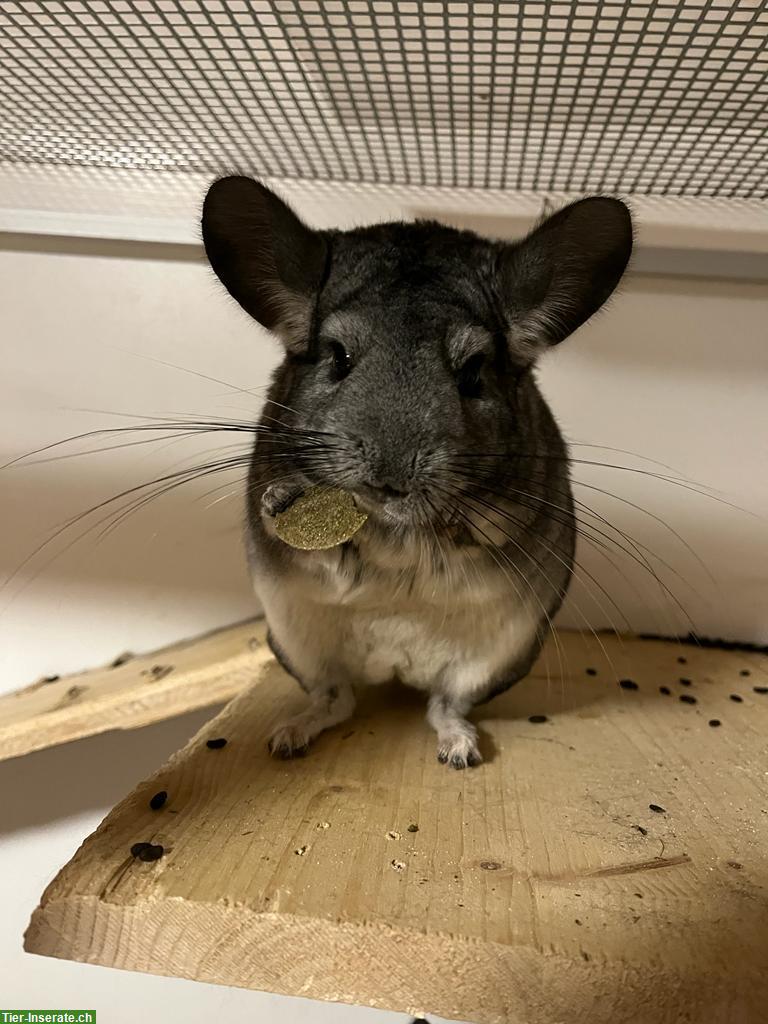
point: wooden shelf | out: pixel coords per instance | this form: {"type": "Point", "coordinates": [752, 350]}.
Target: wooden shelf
{"type": "Point", "coordinates": [540, 887]}
{"type": "Point", "coordinates": [146, 689]}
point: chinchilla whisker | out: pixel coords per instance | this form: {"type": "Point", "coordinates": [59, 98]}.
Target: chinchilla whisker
{"type": "Point", "coordinates": [182, 476]}
{"type": "Point", "coordinates": [98, 451]}
{"type": "Point", "coordinates": [603, 547]}
{"type": "Point", "coordinates": [546, 577]}
{"type": "Point", "coordinates": [696, 488]}
{"type": "Point", "coordinates": [637, 554]}
{"type": "Point", "coordinates": [548, 547]}
{"type": "Point", "coordinates": [626, 451]}
{"type": "Point", "coordinates": [233, 388]}
{"type": "Point", "coordinates": [164, 486]}
{"type": "Point", "coordinates": [179, 428]}
{"type": "Point", "coordinates": [553, 550]}
{"type": "Point", "coordinates": [652, 515]}
{"type": "Point", "coordinates": [494, 551]}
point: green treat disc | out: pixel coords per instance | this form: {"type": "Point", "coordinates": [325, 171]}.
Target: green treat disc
{"type": "Point", "coordinates": [320, 519]}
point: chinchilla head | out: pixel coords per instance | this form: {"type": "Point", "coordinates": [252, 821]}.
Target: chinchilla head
{"type": "Point", "coordinates": [409, 347]}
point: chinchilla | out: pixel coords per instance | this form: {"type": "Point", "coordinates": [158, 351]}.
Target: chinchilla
{"type": "Point", "coordinates": [408, 380]}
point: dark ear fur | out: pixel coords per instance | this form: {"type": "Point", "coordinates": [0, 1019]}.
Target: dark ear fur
{"type": "Point", "coordinates": [265, 257]}
{"type": "Point", "coordinates": [562, 273]}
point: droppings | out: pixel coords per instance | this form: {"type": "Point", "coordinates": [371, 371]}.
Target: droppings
{"type": "Point", "coordinates": [715, 722]}
{"type": "Point", "coordinates": [216, 744]}
{"type": "Point", "coordinates": [301, 851]}
{"type": "Point", "coordinates": [537, 719]}
{"type": "Point", "coordinates": [121, 659]}
{"type": "Point", "coordinates": [393, 835]}
{"type": "Point", "coordinates": [322, 825]}
{"type": "Point", "coordinates": [591, 671]}
{"type": "Point", "coordinates": [657, 808]}
{"type": "Point", "coordinates": [490, 865]}
{"type": "Point", "coordinates": [684, 682]}
{"type": "Point", "coordinates": [628, 684]}
{"type": "Point", "coordinates": [158, 800]}
{"type": "Point", "coordinates": [151, 852]}
{"type": "Point", "coordinates": [737, 698]}
{"type": "Point", "coordinates": [398, 865]}
{"type": "Point", "coordinates": [760, 689]}
{"type": "Point", "coordinates": [51, 679]}
{"type": "Point", "coordinates": [160, 672]}
{"type": "Point", "coordinates": [744, 672]}
{"type": "Point", "coordinates": [665, 690]}
{"type": "Point", "coordinates": [576, 921]}
{"type": "Point", "coordinates": [687, 698]}
{"type": "Point", "coordinates": [682, 661]}
{"type": "Point", "coordinates": [413, 828]}
{"type": "Point", "coordinates": [734, 864]}
{"type": "Point", "coordinates": [147, 851]}
{"type": "Point", "coordinates": [641, 830]}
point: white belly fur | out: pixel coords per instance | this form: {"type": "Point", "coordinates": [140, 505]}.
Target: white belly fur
{"type": "Point", "coordinates": [451, 639]}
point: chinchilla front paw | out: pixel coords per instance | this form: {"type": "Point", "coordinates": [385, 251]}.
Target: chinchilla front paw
{"type": "Point", "coordinates": [277, 497]}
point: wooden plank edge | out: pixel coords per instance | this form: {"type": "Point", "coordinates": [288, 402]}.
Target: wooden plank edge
{"type": "Point", "coordinates": [379, 966]}
{"type": "Point", "coordinates": [79, 709]}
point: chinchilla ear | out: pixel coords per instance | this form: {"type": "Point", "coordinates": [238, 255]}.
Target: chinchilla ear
{"type": "Point", "coordinates": [562, 273]}
{"type": "Point", "coordinates": [265, 257]}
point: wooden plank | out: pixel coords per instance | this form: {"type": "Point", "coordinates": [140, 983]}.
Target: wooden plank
{"type": "Point", "coordinates": [145, 689]}
{"type": "Point", "coordinates": [541, 887]}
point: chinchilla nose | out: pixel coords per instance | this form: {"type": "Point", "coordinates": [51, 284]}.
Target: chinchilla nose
{"type": "Point", "coordinates": [388, 486]}
{"type": "Point", "coordinates": [390, 475]}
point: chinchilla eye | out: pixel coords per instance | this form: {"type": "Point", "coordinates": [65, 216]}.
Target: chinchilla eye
{"type": "Point", "coordinates": [469, 379]}
{"type": "Point", "coordinates": [341, 360]}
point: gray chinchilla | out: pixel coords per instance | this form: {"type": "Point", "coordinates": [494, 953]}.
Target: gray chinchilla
{"type": "Point", "coordinates": [408, 381]}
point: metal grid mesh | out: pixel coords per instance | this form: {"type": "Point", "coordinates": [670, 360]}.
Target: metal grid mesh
{"type": "Point", "coordinates": [655, 97]}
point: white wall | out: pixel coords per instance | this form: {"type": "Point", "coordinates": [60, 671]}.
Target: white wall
{"type": "Point", "coordinates": [674, 370]}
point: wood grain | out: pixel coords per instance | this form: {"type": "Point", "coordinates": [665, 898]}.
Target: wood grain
{"type": "Point", "coordinates": [539, 888]}
{"type": "Point", "coordinates": [144, 689]}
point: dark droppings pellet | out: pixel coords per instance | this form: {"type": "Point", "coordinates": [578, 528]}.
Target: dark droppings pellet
{"type": "Point", "coordinates": [413, 828]}
{"type": "Point", "coordinates": [737, 698]}
{"type": "Point", "coordinates": [150, 852]}
{"type": "Point", "coordinates": [641, 830]}
{"type": "Point", "coordinates": [687, 698]}
{"type": "Point", "coordinates": [158, 800]}
{"type": "Point", "coordinates": [657, 808]}
{"type": "Point", "coordinates": [591, 671]}
{"type": "Point", "coordinates": [684, 682]}
{"type": "Point", "coordinates": [51, 679]}
{"type": "Point", "coordinates": [760, 689]}
{"type": "Point", "coordinates": [537, 719]}
{"type": "Point", "coordinates": [682, 661]}
{"type": "Point", "coordinates": [745, 672]}
{"type": "Point", "coordinates": [628, 684]}
{"type": "Point", "coordinates": [665, 690]}
{"type": "Point", "coordinates": [715, 722]}
{"type": "Point", "coordinates": [216, 744]}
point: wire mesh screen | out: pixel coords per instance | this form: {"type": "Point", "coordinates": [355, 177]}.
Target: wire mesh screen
{"type": "Point", "coordinates": [659, 97]}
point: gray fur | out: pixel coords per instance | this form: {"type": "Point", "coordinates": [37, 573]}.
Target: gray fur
{"type": "Point", "coordinates": [452, 583]}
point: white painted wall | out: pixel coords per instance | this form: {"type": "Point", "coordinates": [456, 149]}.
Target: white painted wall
{"type": "Point", "coordinates": [674, 370]}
